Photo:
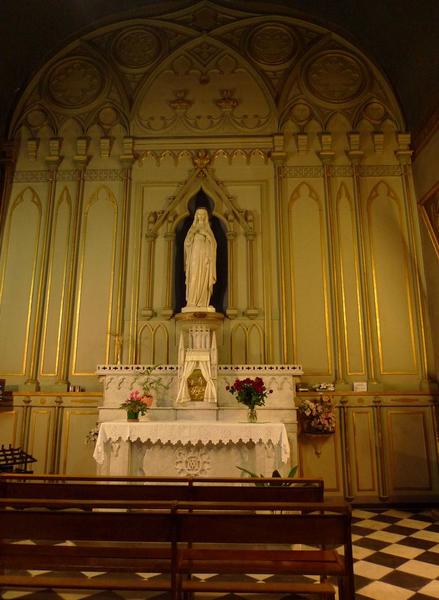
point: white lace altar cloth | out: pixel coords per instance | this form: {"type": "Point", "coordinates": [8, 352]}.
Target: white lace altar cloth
{"type": "Point", "coordinates": [192, 448]}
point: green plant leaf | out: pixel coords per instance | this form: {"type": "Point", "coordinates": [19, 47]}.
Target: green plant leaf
{"type": "Point", "coordinates": [253, 475]}
{"type": "Point", "coordinates": [293, 472]}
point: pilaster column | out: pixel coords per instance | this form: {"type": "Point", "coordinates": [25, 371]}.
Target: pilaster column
{"type": "Point", "coordinates": [127, 161]}
{"type": "Point", "coordinates": [278, 156]}
{"type": "Point", "coordinates": [379, 449]}
{"type": "Point", "coordinates": [355, 156]}
{"type": "Point", "coordinates": [169, 236]}
{"type": "Point", "coordinates": [62, 381]}
{"type": "Point", "coordinates": [404, 156]}
{"type": "Point", "coordinates": [150, 236]}
{"type": "Point", "coordinates": [231, 311]}
{"type": "Point", "coordinates": [250, 235]}
{"type": "Point", "coordinates": [327, 155]}
{"type": "Point", "coordinates": [346, 454]}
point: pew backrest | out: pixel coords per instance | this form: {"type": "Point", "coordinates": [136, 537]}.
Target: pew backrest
{"type": "Point", "coordinates": [166, 489]}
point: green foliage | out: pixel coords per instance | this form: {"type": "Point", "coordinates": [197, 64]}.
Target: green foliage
{"type": "Point", "coordinates": [275, 474]}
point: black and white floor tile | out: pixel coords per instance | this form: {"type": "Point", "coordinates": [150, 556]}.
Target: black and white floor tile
{"type": "Point", "coordinates": [396, 556]}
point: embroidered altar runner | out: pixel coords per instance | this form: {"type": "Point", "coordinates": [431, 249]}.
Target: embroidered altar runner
{"type": "Point", "coordinates": [191, 448]}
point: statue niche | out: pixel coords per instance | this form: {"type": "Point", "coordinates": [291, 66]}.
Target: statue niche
{"type": "Point", "coordinates": [200, 215]}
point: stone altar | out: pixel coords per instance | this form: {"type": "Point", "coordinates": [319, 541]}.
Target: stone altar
{"type": "Point", "coordinates": [119, 380]}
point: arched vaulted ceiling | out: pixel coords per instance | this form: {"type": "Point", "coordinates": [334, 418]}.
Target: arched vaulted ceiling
{"type": "Point", "coordinates": [400, 36]}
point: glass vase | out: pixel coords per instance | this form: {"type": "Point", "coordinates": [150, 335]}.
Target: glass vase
{"type": "Point", "coordinates": [252, 415]}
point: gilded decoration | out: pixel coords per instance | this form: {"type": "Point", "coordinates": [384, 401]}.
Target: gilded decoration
{"type": "Point", "coordinates": [137, 48]}
{"type": "Point", "coordinates": [272, 44]}
{"type": "Point", "coordinates": [75, 83]}
{"type": "Point", "coordinates": [335, 77]}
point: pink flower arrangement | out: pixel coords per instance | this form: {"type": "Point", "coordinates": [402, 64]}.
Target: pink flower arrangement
{"type": "Point", "coordinates": [317, 415]}
{"type": "Point", "coordinates": [137, 402]}
{"type": "Point", "coordinates": [251, 392]}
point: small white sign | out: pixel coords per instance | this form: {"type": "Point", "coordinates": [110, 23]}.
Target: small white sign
{"type": "Point", "coordinates": [360, 386]}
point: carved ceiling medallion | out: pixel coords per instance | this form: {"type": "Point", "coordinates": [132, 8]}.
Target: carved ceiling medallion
{"type": "Point", "coordinates": [108, 116]}
{"type": "Point", "coordinates": [136, 48]}
{"type": "Point", "coordinates": [36, 118]}
{"type": "Point", "coordinates": [75, 83]}
{"type": "Point", "coordinates": [272, 44]}
{"type": "Point", "coordinates": [335, 77]}
{"type": "Point", "coordinates": [374, 111]}
{"type": "Point", "coordinates": [300, 112]}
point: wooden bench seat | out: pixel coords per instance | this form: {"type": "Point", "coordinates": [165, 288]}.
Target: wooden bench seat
{"type": "Point", "coordinates": [175, 539]}
{"type": "Point", "coordinates": [314, 525]}
{"type": "Point", "coordinates": [111, 541]}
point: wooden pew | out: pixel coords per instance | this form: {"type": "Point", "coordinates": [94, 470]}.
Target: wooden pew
{"type": "Point", "coordinates": [161, 488]}
{"type": "Point", "coordinates": [113, 541]}
{"type": "Point", "coordinates": [155, 539]}
{"type": "Point", "coordinates": [318, 525]}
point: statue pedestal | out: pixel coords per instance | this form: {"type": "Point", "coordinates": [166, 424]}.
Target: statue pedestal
{"type": "Point", "coordinates": [197, 357]}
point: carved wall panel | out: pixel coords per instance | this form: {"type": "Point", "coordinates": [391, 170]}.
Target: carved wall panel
{"type": "Point", "coordinates": [187, 95]}
{"type": "Point", "coordinates": [350, 284]}
{"type": "Point", "coordinates": [408, 447]}
{"type": "Point", "coordinates": [153, 344]}
{"type": "Point", "coordinates": [392, 298]}
{"type": "Point", "coordinates": [363, 459]}
{"type": "Point", "coordinates": [56, 290]}
{"type": "Point", "coordinates": [96, 281]}
{"type": "Point", "coordinates": [308, 281]}
{"type": "Point", "coordinates": [21, 255]}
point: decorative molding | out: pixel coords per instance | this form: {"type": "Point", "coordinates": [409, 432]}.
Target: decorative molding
{"type": "Point", "coordinates": [302, 172]}
{"type": "Point", "coordinates": [340, 170]}
{"type": "Point", "coordinates": [44, 175]}
{"type": "Point", "coordinates": [104, 175]}
{"type": "Point", "coordinates": [286, 171]}
{"type": "Point", "coordinates": [41, 176]}
{"type": "Point", "coordinates": [380, 170]}
{"type": "Point", "coordinates": [287, 369]}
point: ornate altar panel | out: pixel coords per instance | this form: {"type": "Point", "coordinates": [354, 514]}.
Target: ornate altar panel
{"type": "Point", "coordinates": [190, 448]}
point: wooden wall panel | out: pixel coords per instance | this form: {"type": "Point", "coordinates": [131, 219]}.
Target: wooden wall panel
{"type": "Point", "coordinates": [94, 306]}
{"type": "Point", "coordinates": [409, 450]}
{"type": "Point", "coordinates": [56, 285]}
{"type": "Point", "coordinates": [309, 281]}
{"type": "Point", "coordinates": [351, 314]}
{"type": "Point", "coordinates": [390, 280]}
{"type": "Point", "coordinates": [19, 281]}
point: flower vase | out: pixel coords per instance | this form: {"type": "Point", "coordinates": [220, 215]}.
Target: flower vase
{"type": "Point", "coordinates": [132, 415]}
{"type": "Point", "coordinates": [252, 415]}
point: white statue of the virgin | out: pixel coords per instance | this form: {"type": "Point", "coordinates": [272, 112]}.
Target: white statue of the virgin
{"type": "Point", "coordinates": [199, 262]}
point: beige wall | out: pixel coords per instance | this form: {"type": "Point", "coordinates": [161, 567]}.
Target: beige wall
{"type": "Point", "coordinates": [297, 139]}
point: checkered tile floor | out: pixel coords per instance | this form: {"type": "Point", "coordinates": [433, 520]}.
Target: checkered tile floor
{"type": "Point", "coordinates": [396, 556]}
